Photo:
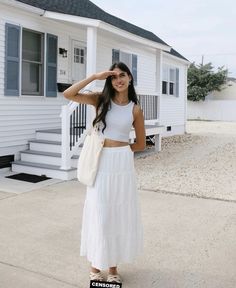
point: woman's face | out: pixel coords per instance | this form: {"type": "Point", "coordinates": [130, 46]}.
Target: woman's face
{"type": "Point", "coordinates": [120, 81]}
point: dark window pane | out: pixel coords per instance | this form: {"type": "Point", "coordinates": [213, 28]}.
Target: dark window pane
{"type": "Point", "coordinates": [31, 46]}
{"type": "Point", "coordinates": [164, 87]}
{"type": "Point", "coordinates": [31, 78]}
{"type": "Point", "coordinates": [32, 58]}
{"type": "Point", "coordinates": [115, 56]}
{"type": "Point", "coordinates": [171, 88]}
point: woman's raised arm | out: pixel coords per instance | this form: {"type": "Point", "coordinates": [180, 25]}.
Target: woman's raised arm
{"type": "Point", "coordinates": [73, 92]}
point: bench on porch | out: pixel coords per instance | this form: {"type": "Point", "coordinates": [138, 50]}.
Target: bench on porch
{"type": "Point", "coordinates": [151, 130]}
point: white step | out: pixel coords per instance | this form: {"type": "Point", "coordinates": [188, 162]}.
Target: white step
{"type": "Point", "coordinates": [45, 158]}
{"type": "Point", "coordinates": [45, 146]}
{"type": "Point", "coordinates": [49, 135]}
{"type": "Point", "coordinates": [51, 171]}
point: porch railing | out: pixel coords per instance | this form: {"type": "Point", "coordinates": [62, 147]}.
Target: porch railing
{"type": "Point", "coordinates": [73, 126]}
{"type": "Point", "coordinates": [149, 105]}
{"type": "Point", "coordinates": [77, 124]}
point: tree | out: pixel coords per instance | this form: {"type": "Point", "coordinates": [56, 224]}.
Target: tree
{"type": "Point", "coordinates": [202, 80]}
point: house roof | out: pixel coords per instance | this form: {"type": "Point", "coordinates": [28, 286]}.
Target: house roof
{"type": "Point", "coordinates": [87, 9]}
{"type": "Point", "coordinates": [175, 53]}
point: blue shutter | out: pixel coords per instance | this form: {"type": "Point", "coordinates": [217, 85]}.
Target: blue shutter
{"type": "Point", "coordinates": [115, 55]}
{"type": "Point", "coordinates": [177, 82]}
{"type": "Point", "coordinates": [51, 66]}
{"type": "Point", "coordinates": [135, 68]}
{"type": "Point", "coordinates": [12, 59]}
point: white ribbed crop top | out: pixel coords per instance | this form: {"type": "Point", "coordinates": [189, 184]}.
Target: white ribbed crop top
{"type": "Point", "coordinates": [119, 120]}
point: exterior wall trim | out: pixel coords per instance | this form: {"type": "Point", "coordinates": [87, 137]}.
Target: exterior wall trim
{"type": "Point", "coordinates": [71, 18]}
{"type": "Point", "coordinates": [104, 26]}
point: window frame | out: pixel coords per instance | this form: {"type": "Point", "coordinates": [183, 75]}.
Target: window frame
{"type": "Point", "coordinates": [133, 58]}
{"type": "Point", "coordinates": [41, 65]}
{"type": "Point", "coordinates": [47, 62]}
{"type": "Point", "coordinates": [171, 82]}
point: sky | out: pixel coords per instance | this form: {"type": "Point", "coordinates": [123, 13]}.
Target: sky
{"type": "Point", "coordinates": [202, 31]}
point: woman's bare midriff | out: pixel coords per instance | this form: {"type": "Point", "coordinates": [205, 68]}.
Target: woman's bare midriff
{"type": "Point", "coordinates": [114, 143]}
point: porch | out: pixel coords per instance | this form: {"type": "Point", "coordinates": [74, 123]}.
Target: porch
{"type": "Point", "coordinates": [55, 152]}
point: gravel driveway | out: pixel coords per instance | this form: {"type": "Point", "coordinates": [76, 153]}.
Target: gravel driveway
{"type": "Point", "coordinates": [201, 163]}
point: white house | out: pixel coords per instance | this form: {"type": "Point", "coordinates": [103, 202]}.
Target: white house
{"type": "Point", "coordinates": [218, 105]}
{"type": "Point", "coordinates": [47, 45]}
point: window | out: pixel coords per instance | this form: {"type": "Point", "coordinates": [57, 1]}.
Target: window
{"type": "Point", "coordinates": [164, 87]}
{"type": "Point", "coordinates": [33, 60]}
{"type": "Point", "coordinates": [131, 60]}
{"type": "Point", "coordinates": [165, 80]}
{"type": "Point", "coordinates": [79, 55]}
{"type": "Point", "coordinates": [170, 81]}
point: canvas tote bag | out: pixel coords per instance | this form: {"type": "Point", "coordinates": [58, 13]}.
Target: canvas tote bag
{"type": "Point", "coordinates": [89, 156]}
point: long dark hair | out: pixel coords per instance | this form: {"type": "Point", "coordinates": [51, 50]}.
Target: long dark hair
{"type": "Point", "coordinates": [108, 93]}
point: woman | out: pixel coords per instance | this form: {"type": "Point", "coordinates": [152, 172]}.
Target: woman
{"type": "Point", "coordinates": [111, 227]}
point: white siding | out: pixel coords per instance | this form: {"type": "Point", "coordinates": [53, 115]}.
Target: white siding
{"type": "Point", "coordinates": [21, 116]}
{"type": "Point", "coordinates": [173, 109]}
{"type": "Point", "coordinates": [146, 60]}
{"type": "Point", "coordinates": [20, 119]}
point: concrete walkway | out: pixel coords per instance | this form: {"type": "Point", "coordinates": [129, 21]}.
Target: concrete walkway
{"type": "Point", "coordinates": [189, 242]}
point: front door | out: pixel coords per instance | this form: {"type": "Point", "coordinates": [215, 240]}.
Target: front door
{"type": "Point", "coordinates": [78, 61]}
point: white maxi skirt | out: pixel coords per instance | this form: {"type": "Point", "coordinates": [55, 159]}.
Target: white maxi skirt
{"type": "Point", "coordinates": [112, 230]}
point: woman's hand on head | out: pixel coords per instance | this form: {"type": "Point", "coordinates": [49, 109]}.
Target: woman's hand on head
{"type": "Point", "coordinates": [73, 92]}
{"type": "Point", "coordinates": [103, 75]}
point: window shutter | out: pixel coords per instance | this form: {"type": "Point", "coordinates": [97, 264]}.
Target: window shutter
{"type": "Point", "coordinates": [177, 82]}
{"type": "Point", "coordinates": [135, 68]}
{"type": "Point", "coordinates": [51, 64]}
{"type": "Point", "coordinates": [115, 55]}
{"type": "Point", "coordinates": [12, 59]}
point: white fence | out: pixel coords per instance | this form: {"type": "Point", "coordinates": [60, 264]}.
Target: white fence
{"type": "Point", "coordinates": [218, 110]}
